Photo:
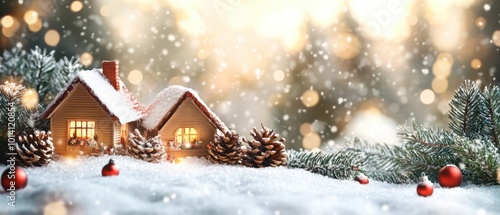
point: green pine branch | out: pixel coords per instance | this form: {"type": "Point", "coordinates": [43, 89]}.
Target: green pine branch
{"type": "Point", "coordinates": [471, 143]}
{"type": "Point", "coordinates": [465, 110]}
{"type": "Point", "coordinates": [340, 165]}
{"type": "Point", "coordinates": [490, 114]}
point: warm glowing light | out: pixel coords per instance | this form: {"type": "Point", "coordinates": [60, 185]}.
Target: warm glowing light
{"type": "Point", "coordinates": [311, 140]}
{"type": "Point", "coordinates": [202, 54]}
{"type": "Point", "coordinates": [55, 208]}
{"type": "Point", "coordinates": [480, 22]}
{"type": "Point", "coordinates": [30, 17]}
{"type": "Point", "coordinates": [371, 124]}
{"type": "Point", "coordinates": [278, 75]}
{"type": "Point", "coordinates": [427, 96]}
{"type": "Point", "coordinates": [496, 38]}
{"type": "Point", "coordinates": [346, 45]}
{"type": "Point", "coordinates": [310, 98]}
{"type": "Point", "coordinates": [36, 27]}
{"type": "Point", "coordinates": [105, 11]}
{"type": "Point", "coordinates": [274, 99]}
{"type": "Point", "coordinates": [7, 21]}
{"type": "Point", "coordinates": [13, 25]}
{"type": "Point", "coordinates": [476, 63]}
{"type": "Point", "coordinates": [76, 6]}
{"type": "Point", "coordinates": [442, 66]}
{"type": "Point", "coordinates": [30, 99]}
{"type": "Point", "coordinates": [439, 84]}
{"type": "Point", "coordinates": [135, 77]}
{"type": "Point", "coordinates": [383, 19]}
{"type": "Point", "coordinates": [306, 128]}
{"type": "Point", "coordinates": [498, 174]}
{"type": "Point", "coordinates": [7, 32]}
{"type": "Point", "coordinates": [52, 37]}
{"type": "Point", "coordinates": [413, 20]}
{"type": "Point", "coordinates": [324, 12]}
{"type": "Point", "coordinates": [180, 160]}
{"type": "Point", "coordinates": [86, 59]}
{"type": "Point", "coordinates": [446, 35]}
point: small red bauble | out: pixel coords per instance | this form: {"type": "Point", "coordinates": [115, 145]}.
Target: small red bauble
{"type": "Point", "coordinates": [362, 179]}
{"type": "Point", "coordinates": [450, 176]}
{"type": "Point", "coordinates": [110, 169]}
{"type": "Point", "coordinates": [14, 178]}
{"type": "Point", "coordinates": [425, 187]}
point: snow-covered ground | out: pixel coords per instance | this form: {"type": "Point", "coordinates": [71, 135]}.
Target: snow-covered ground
{"type": "Point", "coordinates": [199, 187]}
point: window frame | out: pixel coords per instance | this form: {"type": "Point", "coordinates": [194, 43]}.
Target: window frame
{"type": "Point", "coordinates": [81, 128]}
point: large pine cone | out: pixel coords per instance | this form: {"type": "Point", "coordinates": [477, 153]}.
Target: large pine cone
{"type": "Point", "coordinates": [34, 148]}
{"type": "Point", "coordinates": [225, 149]}
{"type": "Point", "coordinates": [147, 149]}
{"type": "Point", "coordinates": [267, 149]}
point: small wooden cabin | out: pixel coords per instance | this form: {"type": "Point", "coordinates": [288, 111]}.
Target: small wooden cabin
{"type": "Point", "coordinates": [185, 123]}
{"type": "Point", "coordinates": [94, 108]}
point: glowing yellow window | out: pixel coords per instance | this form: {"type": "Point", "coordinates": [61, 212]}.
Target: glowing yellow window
{"type": "Point", "coordinates": [81, 129]}
{"type": "Point", "coordinates": [186, 135]}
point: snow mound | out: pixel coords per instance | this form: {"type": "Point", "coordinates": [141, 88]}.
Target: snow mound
{"type": "Point", "coordinates": [196, 186]}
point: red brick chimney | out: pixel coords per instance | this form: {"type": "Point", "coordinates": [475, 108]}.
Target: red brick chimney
{"type": "Point", "coordinates": [110, 70]}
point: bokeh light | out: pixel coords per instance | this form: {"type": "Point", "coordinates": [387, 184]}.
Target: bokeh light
{"type": "Point", "coordinates": [442, 66]}
{"type": "Point", "coordinates": [52, 37]}
{"type": "Point", "coordinates": [7, 21]}
{"type": "Point", "coordinates": [311, 141]}
{"type": "Point", "coordinates": [476, 63]}
{"type": "Point", "coordinates": [31, 17]}
{"type": "Point", "coordinates": [310, 98]}
{"type": "Point", "coordinates": [278, 75]}
{"type": "Point", "coordinates": [30, 99]}
{"type": "Point", "coordinates": [496, 38]}
{"type": "Point", "coordinates": [346, 46]}
{"type": "Point", "coordinates": [37, 26]}
{"type": "Point", "coordinates": [480, 22]}
{"type": "Point", "coordinates": [439, 84]}
{"type": "Point", "coordinates": [105, 10]}
{"type": "Point", "coordinates": [305, 129]}
{"type": "Point", "coordinates": [135, 77]}
{"type": "Point", "coordinates": [427, 96]}
{"type": "Point", "coordinates": [76, 6]}
{"type": "Point", "coordinates": [86, 59]}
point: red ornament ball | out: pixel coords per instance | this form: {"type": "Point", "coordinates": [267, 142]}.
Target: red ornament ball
{"type": "Point", "coordinates": [450, 176]}
{"type": "Point", "coordinates": [110, 169]}
{"type": "Point", "coordinates": [362, 179]}
{"type": "Point", "coordinates": [425, 187]}
{"type": "Point", "coordinates": [14, 178]}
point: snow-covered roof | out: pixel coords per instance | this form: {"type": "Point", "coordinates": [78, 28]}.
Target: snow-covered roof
{"type": "Point", "coordinates": [120, 104]}
{"type": "Point", "coordinates": [167, 102]}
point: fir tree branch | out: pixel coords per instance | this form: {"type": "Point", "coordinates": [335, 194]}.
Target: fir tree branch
{"type": "Point", "coordinates": [491, 114]}
{"type": "Point", "coordinates": [340, 165]}
{"type": "Point", "coordinates": [465, 108]}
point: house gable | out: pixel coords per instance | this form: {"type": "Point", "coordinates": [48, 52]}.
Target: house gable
{"type": "Point", "coordinates": [169, 101]}
{"type": "Point", "coordinates": [79, 105]}
{"type": "Point", "coordinates": [188, 115]}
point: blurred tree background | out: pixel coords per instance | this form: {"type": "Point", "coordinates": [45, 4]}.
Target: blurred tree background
{"type": "Point", "coordinates": [314, 70]}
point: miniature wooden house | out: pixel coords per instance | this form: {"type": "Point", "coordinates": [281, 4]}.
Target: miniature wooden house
{"type": "Point", "coordinates": [185, 123]}
{"type": "Point", "coordinates": [96, 107]}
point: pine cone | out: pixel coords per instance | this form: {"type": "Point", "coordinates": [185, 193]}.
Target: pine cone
{"type": "Point", "coordinates": [147, 149]}
{"type": "Point", "coordinates": [267, 149]}
{"type": "Point", "coordinates": [225, 149]}
{"type": "Point", "coordinates": [34, 148]}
